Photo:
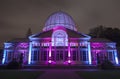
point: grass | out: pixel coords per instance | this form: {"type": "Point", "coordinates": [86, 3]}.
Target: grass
{"type": "Point", "coordinates": [33, 74]}
{"type": "Point", "coordinates": [18, 74]}
{"type": "Point", "coordinates": [108, 74]}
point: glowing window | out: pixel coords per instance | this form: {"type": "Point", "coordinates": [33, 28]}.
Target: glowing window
{"type": "Point", "coordinates": [59, 38]}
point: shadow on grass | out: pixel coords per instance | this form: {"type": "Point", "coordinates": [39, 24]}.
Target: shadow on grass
{"type": "Point", "coordinates": [17, 74]}
{"type": "Point", "coordinates": [108, 74]}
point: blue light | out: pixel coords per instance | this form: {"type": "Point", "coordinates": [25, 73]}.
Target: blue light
{"type": "Point", "coordinates": [116, 57]}
{"type": "Point", "coordinates": [89, 53]}
{"type": "Point", "coordinates": [30, 50]}
{"type": "Point", "coordinates": [4, 56]}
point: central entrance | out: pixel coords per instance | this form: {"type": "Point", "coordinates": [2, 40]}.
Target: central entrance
{"type": "Point", "coordinates": [61, 55]}
{"type": "Point", "coordinates": [60, 45]}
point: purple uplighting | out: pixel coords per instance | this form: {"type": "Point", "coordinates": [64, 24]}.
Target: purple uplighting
{"type": "Point", "coordinates": [23, 45]}
{"type": "Point", "coordinates": [49, 61]}
{"type": "Point", "coordinates": [97, 45]}
{"type": "Point", "coordinates": [61, 43]}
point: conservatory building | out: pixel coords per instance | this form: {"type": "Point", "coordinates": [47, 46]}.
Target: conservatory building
{"type": "Point", "coordinates": [60, 43]}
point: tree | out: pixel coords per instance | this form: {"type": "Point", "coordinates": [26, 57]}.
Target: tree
{"type": "Point", "coordinates": [112, 34]}
{"type": "Point", "coordinates": [97, 31]}
{"type": "Point", "coordinates": [29, 32]}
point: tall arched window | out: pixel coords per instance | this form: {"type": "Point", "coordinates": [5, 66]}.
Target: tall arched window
{"type": "Point", "coordinates": [59, 38]}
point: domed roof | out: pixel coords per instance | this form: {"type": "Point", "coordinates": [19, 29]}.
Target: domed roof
{"type": "Point", "coordinates": [59, 19]}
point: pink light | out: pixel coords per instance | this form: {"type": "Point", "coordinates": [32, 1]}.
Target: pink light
{"type": "Point", "coordinates": [68, 54]}
{"type": "Point", "coordinates": [49, 61]}
{"type": "Point", "coordinates": [49, 54]}
{"type": "Point", "coordinates": [69, 50]}
{"type": "Point", "coordinates": [97, 45]}
{"type": "Point", "coordinates": [23, 51]}
{"type": "Point", "coordinates": [50, 50]}
{"type": "Point", "coordinates": [59, 28]}
{"type": "Point", "coordinates": [97, 51]}
{"type": "Point", "coordinates": [69, 61]}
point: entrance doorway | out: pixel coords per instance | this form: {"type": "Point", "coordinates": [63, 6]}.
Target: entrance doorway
{"type": "Point", "coordinates": [60, 55]}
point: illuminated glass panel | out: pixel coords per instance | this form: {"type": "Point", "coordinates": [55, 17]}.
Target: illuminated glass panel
{"type": "Point", "coordinates": [9, 55]}
{"type": "Point", "coordinates": [59, 38]}
{"type": "Point", "coordinates": [43, 55]}
{"type": "Point", "coordinates": [59, 19]}
{"type": "Point", "coordinates": [110, 56]}
{"type": "Point", "coordinates": [8, 45]}
{"type": "Point", "coordinates": [83, 55]}
{"type": "Point", "coordinates": [73, 44]}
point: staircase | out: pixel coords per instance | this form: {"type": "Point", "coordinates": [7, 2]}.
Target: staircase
{"type": "Point", "coordinates": [59, 67]}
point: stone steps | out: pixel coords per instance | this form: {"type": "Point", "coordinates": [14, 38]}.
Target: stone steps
{"type": "Point", "coordinates": [59, 67]}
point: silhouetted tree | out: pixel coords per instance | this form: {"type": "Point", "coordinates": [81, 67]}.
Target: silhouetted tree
{"type": "Point", "coordinates": [97, 31]}
{"type": "Point", "coordinates": [13, 64]}
{"type": "Point", "coordinates": [29, 32]}
{"type": "Point", "coordinates": [98, 59]}
{"type": "Point", "coordinates": [1, 54]}
{"type": "Point", "coordinates": [112, 34]}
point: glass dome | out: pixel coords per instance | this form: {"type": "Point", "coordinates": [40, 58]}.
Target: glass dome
{"type": "Point", "coordinates": [59, 19]}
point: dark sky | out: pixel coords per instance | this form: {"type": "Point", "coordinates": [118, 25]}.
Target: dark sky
{"type": "Point", "coordinates": [16, 16]}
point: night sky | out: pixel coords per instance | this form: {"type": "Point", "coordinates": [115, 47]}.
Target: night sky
{"type": "Point", "coordinates": [16, 16]}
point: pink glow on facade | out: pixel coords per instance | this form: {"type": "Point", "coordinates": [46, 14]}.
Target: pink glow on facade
{"type": "Point", "coordinates": [59, 28]}
{"type": "Point", "coordinates": [97, 51]}
{"type": "Point", "coordinates": [50, 50]}
{"type": "Point", "coordinates": [69, 50]}
{"type": "Point", "coordinates": [22, 51]}
{"type": "Point", "coordinates": [49, 61]}
{"type": "Point", "coordinates": [23, 45]}
{"type": "Point", "coordinates": [97, 45]}
{"type": "Point", "coordinates": [69, 61]}
{"type": "Point", "coordinates": [60, 43]}
{"type": "Point", "coordinates": [59, 38]}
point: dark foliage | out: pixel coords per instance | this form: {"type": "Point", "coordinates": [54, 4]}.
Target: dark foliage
{"type": "Point", "coordinates": [112, 34]}
{"type": "Point", "coordinates": [1, 54]}
{"type": "Point", "coordinates": [13, 64]}
{"type": "Point", "coordinates": [106, 65]}
{"type": "Point", "coordinates": [21, 60]}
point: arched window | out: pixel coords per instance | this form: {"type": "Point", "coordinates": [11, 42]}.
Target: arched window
{"type": "Point", "coordinates": [59, 38]}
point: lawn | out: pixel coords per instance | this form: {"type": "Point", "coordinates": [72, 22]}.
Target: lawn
{"type": "Point", "coordinates": [33, 74]}
{"type": "Point", "coordinates": [18, 74]}
{"type": "Point", "coordinates": [108, 74]}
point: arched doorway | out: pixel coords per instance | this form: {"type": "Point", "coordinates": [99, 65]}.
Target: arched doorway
{"type": "Point", "coordinates": [60, 46]}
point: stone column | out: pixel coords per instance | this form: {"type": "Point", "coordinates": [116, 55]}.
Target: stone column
{"type": "Point", "coordinates": [89, 53]}
{"type": "Point", "coordinates": [30, 53]}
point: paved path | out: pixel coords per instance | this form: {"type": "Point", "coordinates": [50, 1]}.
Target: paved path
{"type": "Point", "coordinates": [59, 74]}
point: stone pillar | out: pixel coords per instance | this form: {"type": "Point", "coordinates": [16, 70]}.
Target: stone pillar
{"type": "Point", "coordinates": [49, 54]}
{"type": "Point", "coordinates": [69, 53]}
{"type": "Point", "coordinates": [116, 57]}
{"type": "Point", "coordinates": [4, 56]}
{"type": "Point", "coordinates": [89, 53]}
{"type": "Point", "coordinates": [30, 53]}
